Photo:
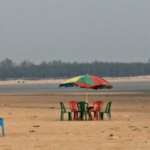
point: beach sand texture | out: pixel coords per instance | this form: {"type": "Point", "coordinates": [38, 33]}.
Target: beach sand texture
{"type": "Point", "coordinates": [32, 123]}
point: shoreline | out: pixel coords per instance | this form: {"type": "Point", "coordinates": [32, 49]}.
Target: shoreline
{"type": "Point", "coordinates": [114, 93]}
{"type": "Point", "coordinates": [145, 78]}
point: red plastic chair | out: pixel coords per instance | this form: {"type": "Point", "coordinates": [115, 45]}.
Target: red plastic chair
{"type": "Point", "coordinates": [74, 108]}
{"type": "Point", "coordinates": [97, 106]}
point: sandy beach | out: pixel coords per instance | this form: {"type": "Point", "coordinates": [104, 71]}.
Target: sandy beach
{"type": "Point", "coordinates": [32, 123]}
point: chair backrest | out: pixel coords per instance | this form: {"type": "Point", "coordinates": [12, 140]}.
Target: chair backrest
{"type": "Point", "coordinates": [73, 105]}
{"type": "Point", "coordinates": [82, 106]}
{"type": "Point", "coordinates": [1, 122]}
{"type": "Point", "coordinates": [97, 105]}
{"type": "Point", "coordinates": [2, 126]}
{"type": "Point", "coordinates": [108, 107]}
{"type": "Point", "coordinates": [62, 107]}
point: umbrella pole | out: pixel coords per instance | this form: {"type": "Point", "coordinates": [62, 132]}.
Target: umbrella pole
{"type": "Point", "coordinates": [86, 98]}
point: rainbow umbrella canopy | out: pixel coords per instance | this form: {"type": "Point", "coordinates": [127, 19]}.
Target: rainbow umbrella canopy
{"type": "Point", "coordinates": [87, 81]}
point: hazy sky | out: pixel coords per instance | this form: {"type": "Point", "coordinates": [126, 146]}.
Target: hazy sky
{"type": "Point", "coordinates": [75, 30]}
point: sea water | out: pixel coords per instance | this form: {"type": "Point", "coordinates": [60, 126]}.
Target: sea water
{"type": "Point", "coordinates": [33, 88]}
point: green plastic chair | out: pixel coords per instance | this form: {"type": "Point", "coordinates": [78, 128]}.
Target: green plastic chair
{"type": "Point", "coordinates": [63, 110]}
{"type": "Point", "coordinates": [107, 111]}
{"type": "Point", "coordinates": [82, 105]}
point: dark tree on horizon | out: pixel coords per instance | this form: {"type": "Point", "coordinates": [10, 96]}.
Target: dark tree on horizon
{"type": "Point", "coordinates": [59, 69]}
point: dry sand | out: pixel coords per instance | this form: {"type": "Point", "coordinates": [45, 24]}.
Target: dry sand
{"type": "Point", "coordinates": [32, 123]}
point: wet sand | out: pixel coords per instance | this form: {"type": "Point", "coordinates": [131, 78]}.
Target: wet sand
{"type": "Point", "coordinates": [32, 123]}
{"type": "Point", "coordinates": [144, 78]}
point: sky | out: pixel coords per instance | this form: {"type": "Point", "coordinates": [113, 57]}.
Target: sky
{"type": "Point", "coordinates": [75, 30]}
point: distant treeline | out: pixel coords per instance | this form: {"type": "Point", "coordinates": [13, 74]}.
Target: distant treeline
{"type": "Point", "coordinates": [59, 69]}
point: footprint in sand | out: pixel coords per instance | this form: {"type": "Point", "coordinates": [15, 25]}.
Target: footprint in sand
{"type": "Point", "coordinates": [32, 131]}
{"type": "Point", "coordinates": [52, 107]}
{"type": "Point", "coordinates": [36, 126]}
{"type": "Point", "coordinates": [113, 137]}
{"type": "Point", "coordinates": [102, 131]}
{"type": "Point", "coordinates": [134, 128]}
{"type": "Point", "coordinates": [34, 117]}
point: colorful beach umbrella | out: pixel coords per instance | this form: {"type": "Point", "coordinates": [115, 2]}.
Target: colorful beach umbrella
{"type": "Point", "coordinates": [87, 81]}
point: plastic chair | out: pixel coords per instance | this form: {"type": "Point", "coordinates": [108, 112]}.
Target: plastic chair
{"type": "Point", "coordinates": [82, 106]}
{"type": "Point", "coordinates": [107, 111]}
{"type": "Point", "coordinates": [2, 126]}
{"type": "Point", "coordinates": [74, 108]}
{"type": "Point", "coordinates": [63, 111]}
{"type": "Point", "coordinates": [97, 105]}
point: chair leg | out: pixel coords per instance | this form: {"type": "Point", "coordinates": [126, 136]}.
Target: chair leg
{"type": "Point", "coordinates": [90, 115]}
{"type": "Point", "coordinates": [69, 116]}
{"type": "Point", "coordinates": [61, 116]}
{"type": "Point", "coordinates": [75, 115]}
{"type": "Point", "coordinates": [96, 115]}
{"type": "Point", "coordinates": [81, 116]}
{"type": "Point", "coordinates": [85, 115]}
{"type": "Point", "coordinates": [101, 114]}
